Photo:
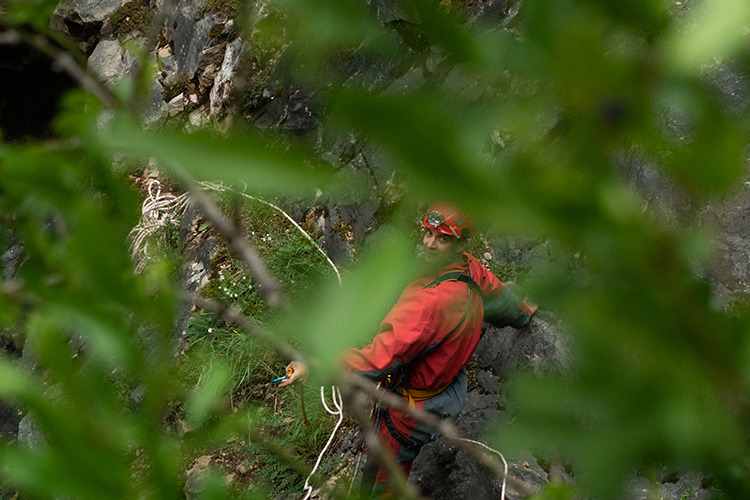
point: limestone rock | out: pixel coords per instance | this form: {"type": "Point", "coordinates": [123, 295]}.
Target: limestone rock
{"type": "Point", "coordinates": [189, 32]}
{"type": "Point", "coordinates": [222, 84]}
{"type": "Point", "coordinates": [89, 11]}
{"type": "Point", "coordinates": [111, 61]}
{"type": "Point", "coordinates": [541, 346]}
{"type": "Point", "coordinates": [29, 432]}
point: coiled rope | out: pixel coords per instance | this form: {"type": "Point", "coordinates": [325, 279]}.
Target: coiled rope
{"type": "Point", "coordinates": [157, 210]}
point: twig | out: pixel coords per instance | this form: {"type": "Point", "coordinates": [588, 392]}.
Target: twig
{"type": "Point", "coordinates": [220, 187]}
{"type": "Point", "coordinates": [234, 316]}
{"type": "Point", "coordinates": [302, 404]}
{"type": "Point", "coordinates": [401, 489]}
{"type": "Point", "coordinates": [268, 287]}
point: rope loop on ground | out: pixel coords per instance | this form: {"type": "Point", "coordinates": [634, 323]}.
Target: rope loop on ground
{"type": "Point", "coordinates": [505, 463]}
{"type": "Point", "coordinates": [337, 411]}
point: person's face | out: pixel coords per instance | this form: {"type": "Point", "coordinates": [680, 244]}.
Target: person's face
{"type": "Point", "coordinates": [440, 248]}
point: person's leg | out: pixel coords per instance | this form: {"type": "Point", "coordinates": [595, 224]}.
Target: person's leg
{"type": "Point", "coordinates": [369, 474]}
{"type": "Point", "coordinates": [399, 446]}
{"type": "Point", "coordinates": [403, 436]}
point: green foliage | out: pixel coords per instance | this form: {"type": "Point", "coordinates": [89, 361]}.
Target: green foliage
{"type": "Point", "coordinates": [350, 310]}
{"type": "Point", "coordinates": [253, 160]}
{"type": "Point", "coordinates": [291, 257]}
{"type": "Point", "coordinates": [249, 363]}
{"type": "Point", "coordinates": [688, 494]}
{"type": "Point", "coordinates": [69, 208]}
{"type": "Point", "coordinates": [254, 95]}
{"type": "Point", "coordinates": [252, 365]}
{"type": "Point", "coordinates": [526, 128]}
{"type": "Point", "coordinates": [35, 13]}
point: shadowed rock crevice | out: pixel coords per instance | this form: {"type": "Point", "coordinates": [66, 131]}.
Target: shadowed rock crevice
{"type": "Point", "coordinates": [30, 91]}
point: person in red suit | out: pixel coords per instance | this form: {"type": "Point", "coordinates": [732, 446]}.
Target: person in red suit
{"type": "Point", "coordinates": [428, 336]}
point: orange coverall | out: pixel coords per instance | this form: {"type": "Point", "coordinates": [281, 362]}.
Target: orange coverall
{"type": "Point", "coordinates": [424, 342]}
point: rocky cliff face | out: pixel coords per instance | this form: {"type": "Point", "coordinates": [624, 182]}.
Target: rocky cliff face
{"type": "Point", "coordinates": [205, 74]}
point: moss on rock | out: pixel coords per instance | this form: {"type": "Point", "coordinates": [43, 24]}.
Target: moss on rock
{"type": "Point", "coordinates": [135, 16]}
{"type": "Point", "coordinates": [228, 8]}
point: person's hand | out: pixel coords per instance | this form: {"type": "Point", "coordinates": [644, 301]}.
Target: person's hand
{"type": "Point", "coordinates": [296, 372]}
{"type": "Point", "coordinates": [532, 307]}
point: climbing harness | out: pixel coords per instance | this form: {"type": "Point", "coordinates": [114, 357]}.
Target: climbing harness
{"type": "Point", "coordinates": [415, 395]}
{"type": "Point", "coordinates": [404, 441]}
{"type": "Point", "coordinates": [397, 383]}
{"type": "Point", "coordinates": [339, 411]}
{"type": "Point", "coordinates": [473, 287]}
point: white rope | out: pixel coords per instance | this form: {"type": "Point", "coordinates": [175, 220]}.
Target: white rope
{"type": "Point", "coordinates": [157, 210]}
{"type": "Point", "coordinates": [339, 411]}
{"type": "Point", "coordinates": [220, 187]}
{"type": "Point", "coordinates": [505, 464]}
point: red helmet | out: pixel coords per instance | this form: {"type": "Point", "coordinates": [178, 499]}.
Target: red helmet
{"type": "Point", "coordinates": [448, 220]}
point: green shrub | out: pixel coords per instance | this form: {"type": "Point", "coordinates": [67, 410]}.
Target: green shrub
{"type": "Point", "coordinates": [527, 131]}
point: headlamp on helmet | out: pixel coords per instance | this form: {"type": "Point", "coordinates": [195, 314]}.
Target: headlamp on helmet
{"type": "Point", "coordinates": [448, 220]}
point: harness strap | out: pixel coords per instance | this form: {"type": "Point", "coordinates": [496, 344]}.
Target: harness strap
{"type": "Point", "coordinates": [414, 395]}
{"type": "Point", "coordinates": [395, 433]}
{"type": "Point", "coordinates": [456, 276]}
{"type": "Point", "coordinates": [463, 277]}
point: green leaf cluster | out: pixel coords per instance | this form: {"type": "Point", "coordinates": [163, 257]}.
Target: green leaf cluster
{"type": "Point", "coordinates": [528, 126]}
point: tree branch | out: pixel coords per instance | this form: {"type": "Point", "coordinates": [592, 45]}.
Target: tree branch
{"type": "Point", "coordinates": [268, 287]}
{"type": "Point", "coordinates": [234, 316]}
{"type": "Point", "coordinates": [355, 401]}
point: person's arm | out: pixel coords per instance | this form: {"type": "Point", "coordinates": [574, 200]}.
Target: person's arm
{"type": "Point", "coordinates": [420, 320]}
{"type": "Point", "coordinates": [506, 309]}
{"type": "Point", "coordinates": [399, 340]}
{"type": "Point", "coordinates": [502, 307]}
